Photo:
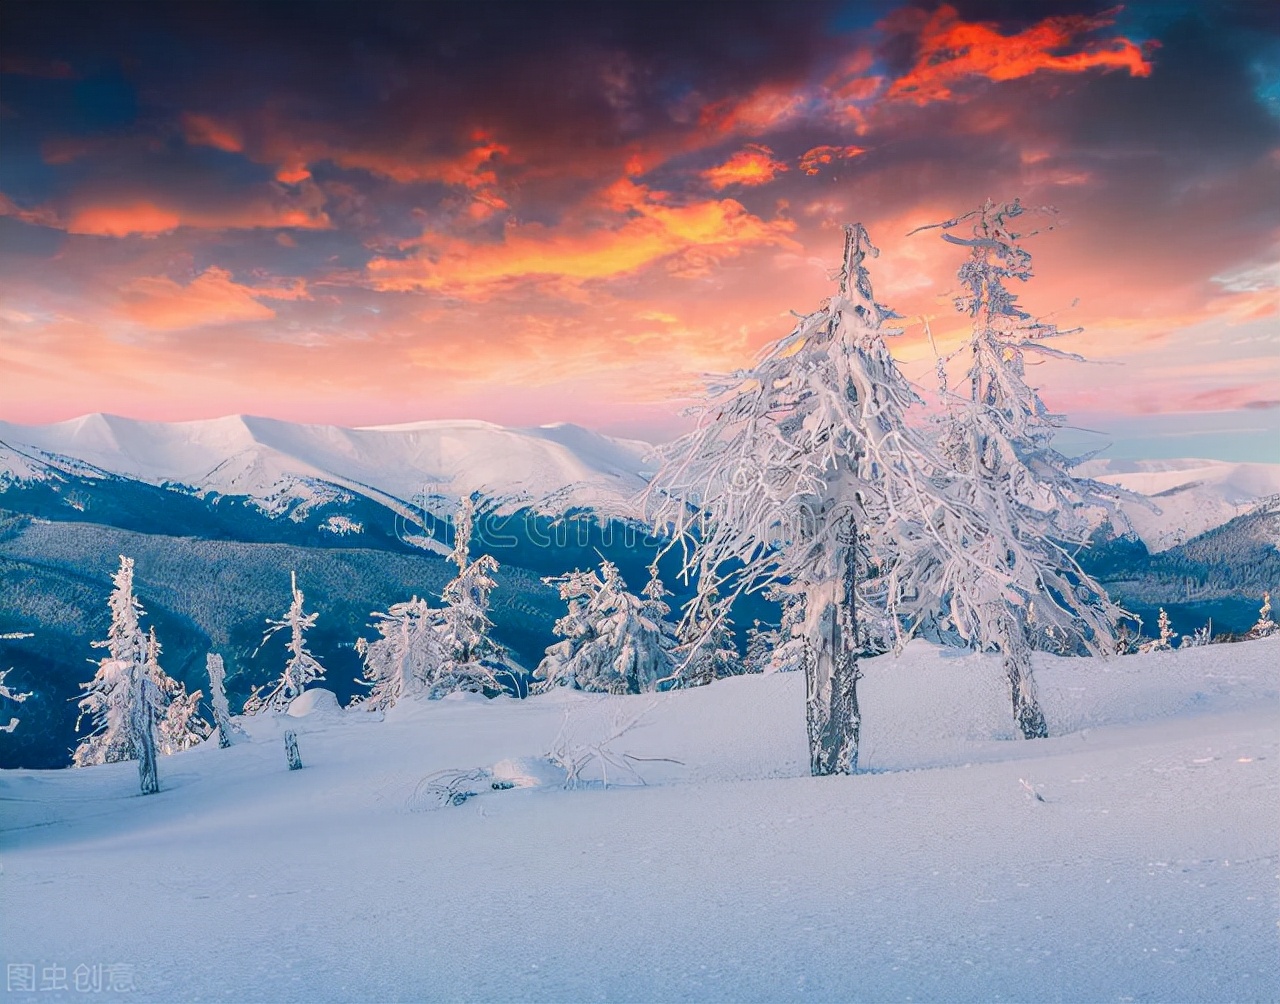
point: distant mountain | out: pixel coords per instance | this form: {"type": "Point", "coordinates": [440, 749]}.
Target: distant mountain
{"type": "Point", "coordinates": [1190, 496]}
{"type": "Point", "coordinates": [284, 468]}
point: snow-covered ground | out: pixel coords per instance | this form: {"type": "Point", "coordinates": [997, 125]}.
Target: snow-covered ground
{"type": "Point", "coordinates": [1190, 496]}
{"type": "Point", "coordinates": [1144, 870]}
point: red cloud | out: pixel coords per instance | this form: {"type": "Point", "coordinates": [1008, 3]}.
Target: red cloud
{"type": "Point", "coordinates": [127, 217]}
{"type": "Point", "coordinates": [952, 51]}
{"type": "Point", "coordinates": [202, 130]}
{"type": "Point", "coordinates": [753, 165]}
{"type": "Point", "coordinates": [812, 161]}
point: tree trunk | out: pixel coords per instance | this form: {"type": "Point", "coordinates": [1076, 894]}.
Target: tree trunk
{"type": "Point", "coordinates": [291, 750]}
{"type": "Point", "coordinates": [832, 672]}
{"type": "Point", "coordinates": [1022, 687]}
{"type": "Point", "coordinates": [145, 747]}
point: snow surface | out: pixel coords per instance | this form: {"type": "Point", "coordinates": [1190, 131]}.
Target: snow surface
{"type": "Point", "coordinates": [276, 461]}
{"type": "Point", "coordinates": [1192, 495]}
{"type": "Point", "coordinates": [1131, 857]}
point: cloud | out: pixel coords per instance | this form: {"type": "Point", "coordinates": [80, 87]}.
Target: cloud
{"type": "Point", "coordinates": [203, 130]}
{"type": "Point", "coordinates": [812, 161]}
{"type": "Point", "coordinates": [951, 52]}
{"type": "Point", "coordinates": [213, 297]}
{"type": "Point", "coordinates": [645, 229]}
{"type": "Point", "coordinates": [753, 165]}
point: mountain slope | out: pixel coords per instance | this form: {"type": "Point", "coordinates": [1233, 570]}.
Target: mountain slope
{"type": "Point", "coordinates": [281, 463]}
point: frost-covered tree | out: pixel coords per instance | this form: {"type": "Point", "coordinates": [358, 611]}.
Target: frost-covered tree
{"type": "Point", "coordinates": [1007, 577]}
{"type": "Point", "coordinates": [228, 732]}
{"type": "Point", "coordinates": [1265, 627]}
{"type": "Point", "coordinates": [613, 640]}
{"type": "Point", "coordinates": [406, 658]}
{"type": "Point", "coordinates": [803, 475]}
{"type": "Point", "coordinates": [122, 700]}
{"type": "Point", "coordinates": [1164, 641]}
{"type": "Point", "coordinates": [707, 651]}
{"type": "Point", "coordinates": [472, 655]}
{"type": "Point", "coordinates": [762, 640]}
{"type": "Point", "coordinates": [301, 667]}
{"type": "Point", "coordinates": [180, 726]}
{"type": "Point", "coordinates": [7, 692]}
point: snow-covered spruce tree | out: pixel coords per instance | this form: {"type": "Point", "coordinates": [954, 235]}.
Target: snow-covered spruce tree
{"type": "Point", "coordinates": [614, 641]}
{"type": "Point", "coordinates": [406, 658]}
{"type": "Point", "coordinates": [472, 656]}
{"type": "Point", "coordinates": [802, 471]}
{"type": "Point", "coordinates": [762, 640]}
{"type": "Point", "coordinates": [228, 732]}
{"type": "Point", "coordinates": [180, 727]}
{"type": "Point", "coordinates": [1164, 642]}
{"type": "Point", "coordinates": [300, 668]}
{"type": "Point", "coordinates": [1008, 578]}
{"type": "Point", "coordinates": [1265, 627]}
{"type": "Point", "coordinates": [707, 650]}
{"type": "Point", "coordinates": [122, 700]}
{"type": "Point", "coordinates": [9, 694]}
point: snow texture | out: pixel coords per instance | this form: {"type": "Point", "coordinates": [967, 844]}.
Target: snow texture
{"type": "Point", "coordinates": [1145, 833]}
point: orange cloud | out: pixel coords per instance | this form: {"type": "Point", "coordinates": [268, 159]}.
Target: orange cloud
{"type": "Point", "coordinates": [650, 231]}
{"type": "Point", "coordinates": [202, 130]}
{"type": "Point", "coordinates": [141, 217]}
{"type": "Point", "coordinates": [213, 297]}
{"type": "Point", "coordinates": [952, 51]}
{"type": "Point", "coordinates": [753, 165]}
{"type": "Point", "coordinates": [812, 161]}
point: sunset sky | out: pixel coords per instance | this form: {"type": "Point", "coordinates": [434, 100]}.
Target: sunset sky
{"type": "Point", "coordinates": [528, 213]}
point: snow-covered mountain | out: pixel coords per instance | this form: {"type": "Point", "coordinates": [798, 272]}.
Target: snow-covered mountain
{"type": "Point", "coordinates": [1190, 496]}
{"type": "Point", "coordinates": [291, 469]}
{"type": "Point", "coordinates": [282, 465]}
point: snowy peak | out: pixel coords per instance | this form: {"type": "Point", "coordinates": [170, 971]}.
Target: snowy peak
{"type": "Point", "coordinates": [1192, 495]}
{"type": "Point", "coordinates": [552, 467]}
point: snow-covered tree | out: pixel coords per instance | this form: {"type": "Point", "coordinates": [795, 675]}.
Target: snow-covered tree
{"type": "Point", "coordinates": [1164, 642]}
{"type": "Point", "coordinates": [614, 641]}
{"type": "Point", "coordinates": [802, 475]}
{"type": "Point", "coordinates": [1200, 637]}
{"type": "Point", "coordinates": [406, 658]}
{"type": "Point", "coordinates": [180, 726]}
{"type": "Point", "coordinates": [1007, 577]}
{"type": "Point", "coordinates": [7, 692]}
{"type": "Point", "coordinates": [707, 651]}
{"type": "Point", "coordinates": [122, 700]}
{"type": "Point", "coordinates": [228, 732]}
{"type": "Point", "coordinates": [472, 656]}
{"type": "Point", "coordinates": [1265, 627]}
{"type": "Point", "coordinates": [301, 667]}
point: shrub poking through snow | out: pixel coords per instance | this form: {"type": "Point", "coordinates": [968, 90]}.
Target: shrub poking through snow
{"type": "Point", "coordinates": [1265, 627]}
{"type": "Point", "coordinates": [1165, 641]}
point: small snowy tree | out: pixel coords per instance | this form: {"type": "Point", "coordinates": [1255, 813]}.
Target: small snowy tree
{"type": "Point", "coordinates": [408, 656]}
{"type": "Point", "coordinates": [6, 692]}
{"type": "Point", "coordinates": [1265, 627]}
{"type": "Point", "coordinates": [301, 667]}
{"type": "Point", "coordinates": [1008, 578]}
{"type": "Point", "coordinates": [10, 694]}
{"type": "Point", "coordinates": [614, 641]}
{"type": "Point", "coordinates": [1165, 641]}
{"type": "Point", "coordinates": [707, 651]}
{"type": "Point", "coordinates": [122, 700]}
{"type": "Point", "coordinates": [228, 732]}
{"type": "Point", "coordinates": [472, 656]}
{"type": "Point", "coordinates": [180, 726]}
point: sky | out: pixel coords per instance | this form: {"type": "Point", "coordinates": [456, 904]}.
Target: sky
{"type": "Point", "coordinates": [528, 213]}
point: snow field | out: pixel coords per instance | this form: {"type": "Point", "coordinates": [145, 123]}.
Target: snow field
{"type": "Point", "coordinates": [1145, 869]}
